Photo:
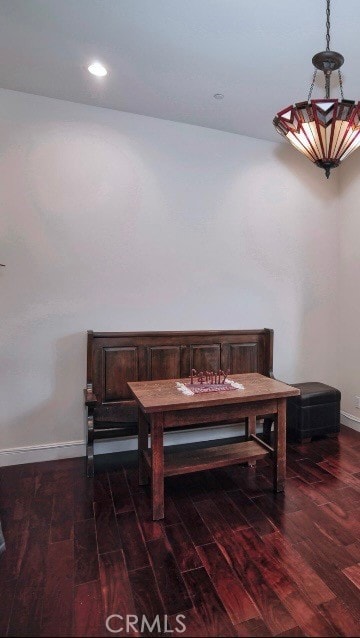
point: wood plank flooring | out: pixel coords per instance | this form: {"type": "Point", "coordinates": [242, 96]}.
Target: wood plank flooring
{"type": "Point", "coordinates": [231, 558]}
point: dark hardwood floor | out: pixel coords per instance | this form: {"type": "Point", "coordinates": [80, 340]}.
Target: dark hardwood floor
{"type": "Point", "coordinates": [231, 557]}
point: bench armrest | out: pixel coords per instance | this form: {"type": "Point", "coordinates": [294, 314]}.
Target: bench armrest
{"type": "Point", "coordinates": [90, 398]}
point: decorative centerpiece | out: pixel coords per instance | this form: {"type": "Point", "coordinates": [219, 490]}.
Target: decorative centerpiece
{"type": "Point", "coordinates": [208, 381]}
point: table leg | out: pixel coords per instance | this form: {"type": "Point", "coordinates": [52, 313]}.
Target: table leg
{"type": "Point", "coordinates": [251, 426]}
{"type": "Point", "coordinates": [157, 466]}
{"type": "Point", "coordinates": [280, 447]}
{"type": "Point", "coordinates": [251, 429]}
{"type": "Point", "coordinates": [143, 445]}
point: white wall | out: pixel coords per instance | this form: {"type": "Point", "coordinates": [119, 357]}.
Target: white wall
{"type": "Point", "coordinates": [349, 334]}
{"type": "Point", "coordinates": [113, 221]}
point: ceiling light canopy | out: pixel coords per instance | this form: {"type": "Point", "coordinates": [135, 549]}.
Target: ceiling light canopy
{"type": "Point", "coordinates": [326, 131]}
{"type": "Point", "coordinates": [97, 69]}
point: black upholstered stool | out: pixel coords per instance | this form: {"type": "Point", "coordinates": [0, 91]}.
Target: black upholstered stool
{"type": "Point", "coordinates": [316, 411]}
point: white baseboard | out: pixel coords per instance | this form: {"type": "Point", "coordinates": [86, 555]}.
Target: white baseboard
{"type": "Point", "coordinates": [350, 421]}
{"type": "Point", "coordinates": [71, 449]}
{"type": "Point", "coordinates": [46, 452]}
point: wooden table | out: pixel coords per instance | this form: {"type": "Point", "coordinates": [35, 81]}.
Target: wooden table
{"type": "Point", "coordinates": [162, 405]}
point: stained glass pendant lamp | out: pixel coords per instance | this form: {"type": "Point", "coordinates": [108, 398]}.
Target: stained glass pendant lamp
{"type": "Point", "coordinates": [326, 131]}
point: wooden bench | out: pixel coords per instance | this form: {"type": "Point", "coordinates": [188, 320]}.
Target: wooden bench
{"type": "Point", "coordinates": [114, 358]}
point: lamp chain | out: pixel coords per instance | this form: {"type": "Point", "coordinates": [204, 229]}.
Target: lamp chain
{"type": "Point", "coordinates": [327, 75]}
{"type": "Point", "coordinates": [328, 25]}
{"type": "Point", "coordinates": [312, 85]}
{"type": "Point", "coordinates": [341, 85]}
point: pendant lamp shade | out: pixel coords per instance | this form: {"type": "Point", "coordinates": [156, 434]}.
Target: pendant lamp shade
{"type": "Point", "coordinates": [326, 131]}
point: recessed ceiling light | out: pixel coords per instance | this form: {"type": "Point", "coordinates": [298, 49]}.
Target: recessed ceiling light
{"type": "Point", "coordinates": [218, 96]}
{"type": "Point", "coordinates": [97, 69]}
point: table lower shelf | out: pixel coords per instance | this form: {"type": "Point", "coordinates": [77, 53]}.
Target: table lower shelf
{"type": "Point", "coordinates": [185, 462]}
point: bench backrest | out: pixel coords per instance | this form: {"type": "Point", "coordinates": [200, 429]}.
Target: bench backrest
{"type": "Point", "coordinates": [114, 358]}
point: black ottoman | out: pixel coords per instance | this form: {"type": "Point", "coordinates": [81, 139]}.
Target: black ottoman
{"type": "Point", "coordinates": [316, 411]}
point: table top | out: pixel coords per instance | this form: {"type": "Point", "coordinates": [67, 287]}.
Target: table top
{"type": "Point", "coordinates": [163, 395]}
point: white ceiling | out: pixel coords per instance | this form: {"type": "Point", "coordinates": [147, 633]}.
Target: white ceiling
{"type": "Point", "coordinates": [167, 58]}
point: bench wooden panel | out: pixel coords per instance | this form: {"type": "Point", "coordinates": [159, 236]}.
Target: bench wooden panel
{"type": "Point", "coordinates": [114, 358]}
